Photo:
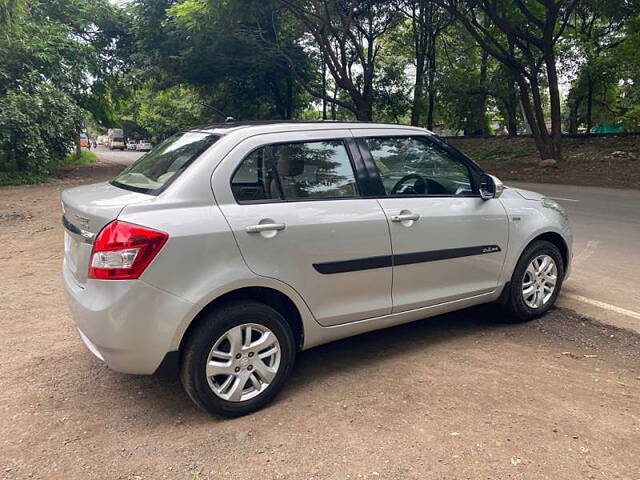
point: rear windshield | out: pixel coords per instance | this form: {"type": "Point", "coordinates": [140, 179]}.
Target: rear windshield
{"type": "Point", "coordinates": [163, 164]}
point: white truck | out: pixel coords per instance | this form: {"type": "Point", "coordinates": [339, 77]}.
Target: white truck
{"type": "Point", "coordinates": [115, 139]}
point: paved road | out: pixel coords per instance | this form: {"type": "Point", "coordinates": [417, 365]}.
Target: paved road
{"type": "Point", "coordinates": [605, 279]}
{"type": "Point", "coordinates": [124, 157]}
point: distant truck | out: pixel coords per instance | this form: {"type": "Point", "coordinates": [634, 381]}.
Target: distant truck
{"type": "Point", "coordinates": [115, 139]}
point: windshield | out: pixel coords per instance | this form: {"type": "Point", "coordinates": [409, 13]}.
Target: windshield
{"type": "Point", "coordinates": [155, 170]}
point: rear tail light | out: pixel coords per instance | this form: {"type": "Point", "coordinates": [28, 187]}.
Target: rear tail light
{"type": "Point", "coordinates": [122, 251]}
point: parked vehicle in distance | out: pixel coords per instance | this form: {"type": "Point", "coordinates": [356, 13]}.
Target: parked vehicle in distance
{"type": "Point", "coordinates": [115, 139]}
{"type": "Point", "coordinates": [228, 249]}
{"type": "Point", "coordinates": [132, 145]}
{"type": "Point", "coordinates": [84, 140]}
{"type": "Point", "coordinates": [144, 146]}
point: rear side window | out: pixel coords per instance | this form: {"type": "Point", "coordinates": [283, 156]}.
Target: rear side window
{"type": "Point", "coordinates": [295, 171]}
{"type": "Point", "coordinates": [254, 180]}
{"type": "Point", "coordinates": [155, 170]}
{"type": "Point", "coordinates": [415, 166]}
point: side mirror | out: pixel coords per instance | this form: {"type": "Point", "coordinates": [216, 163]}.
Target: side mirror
{"type": "Point", "coordinates": [490, 187]}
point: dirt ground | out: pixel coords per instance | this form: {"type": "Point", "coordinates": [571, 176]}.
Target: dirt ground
{"type": "Point", "coordinates": [599, 161]}
{"type": "Point", "coordinates": [452, 397]}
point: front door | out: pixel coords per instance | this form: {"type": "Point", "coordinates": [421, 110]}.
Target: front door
{"type": "Point", "coordinates": [447, 242]}
{"type": "Point", "coordinates": [296, 210]}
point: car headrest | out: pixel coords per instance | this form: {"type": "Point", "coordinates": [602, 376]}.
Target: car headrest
{"type": "Point", "coordinates": [289, 163]}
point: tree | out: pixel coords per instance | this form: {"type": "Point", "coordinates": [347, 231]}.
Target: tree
{"type": "Point", "coordinates": [163, 112]}
{"type": "Point", "coordinates": [523, 35]}
{"type": "Point", "coordinates": [427, 22]}
{"type": "Point", "coordinates": [37, 125]}
{"type": "Point", "coordinates": [9, 9]}
{"type": "Point", "coordinates": [597, 30]}
{"type": "Point", "coordinates": [219, 47]}
{"type": "Point", "coordinates": [52, 55]}
{"type": "Point", "coordinates": [392, 91]}
{"type": "Point", "coordinates": [502, 87]}
{"type": "Point", "coordinates": [348, 36]}
{"type": "Point", "coordinates": [627, 55]}
{"type": "Point", "coordinates": [462, 101]}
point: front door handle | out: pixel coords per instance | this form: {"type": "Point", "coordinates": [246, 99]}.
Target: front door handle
{"type": "Point", "coordinates": [404, 217]}
{"type": "Point", "coordinates": [265, 227]}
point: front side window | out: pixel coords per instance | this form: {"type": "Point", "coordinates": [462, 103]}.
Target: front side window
{"type": "Point", "coordinates": [162, 164]}
{"type": "Point", "coordinates": [415, 166]}
{"type": "Point", "coordinates": [294, 171]}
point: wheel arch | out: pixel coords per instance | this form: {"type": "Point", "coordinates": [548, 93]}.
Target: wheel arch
{"type": "Point", "coordinates": [551, 236]}
{"type": "Point", "coordinates": [558, 240]}
{"type": "Point", "coordinates": [267, 295]}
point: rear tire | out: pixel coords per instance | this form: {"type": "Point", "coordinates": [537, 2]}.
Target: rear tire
{"type": "Point", "coordinates": [238, 358]}
{"type": "Point", "coordinates": [528, 294]}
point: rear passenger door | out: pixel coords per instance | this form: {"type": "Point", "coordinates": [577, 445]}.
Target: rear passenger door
{"type": "Point", "coordinates": [296, 208]}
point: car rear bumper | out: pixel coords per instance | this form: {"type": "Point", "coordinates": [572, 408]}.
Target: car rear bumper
{"type": "Point", "coordinates": [128, 324]}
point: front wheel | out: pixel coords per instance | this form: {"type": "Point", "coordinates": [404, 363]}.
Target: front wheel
{"type": "Point", "coordinates": [238, 358]}
{"type": "Point", "coordinates": [536, 281]}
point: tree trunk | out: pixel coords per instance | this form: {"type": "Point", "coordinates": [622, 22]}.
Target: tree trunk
{"type": "Point", "coordinates": [363, 112]}
{"type": "Point", "coordinates": [333, 103]}
{"type": "Point", "coordinates": [511, 106]}
{"type": "Point", "coordinates": [418, 94]}
{"type": "Point", "coordinates": [15, 160]}
{"type": "Point", "coordinates": [431, 82]}
{"type": "Point", "coordinates": [289, 104]}
{"type": "Point", "coordinates": [476, 123]}
{"type": "Point", "coordinates": [540, 135]}
{"type": "Point", "coordinates": [324, 89]}
{"type": "Point", "coordinates": [554, 100]}
{"type": "Point", "coordinates": [512, 119]}
{"type": "Point", "coordinates": [78, 149]}
{"type": "Point", "coordinates": [573, 117]}
{"type": "Point", "coordinates": [482, 100]}
{"type": "Point", "coordinates": [589, 106]}
{"type": "Point", "coordinates": [278, 101]}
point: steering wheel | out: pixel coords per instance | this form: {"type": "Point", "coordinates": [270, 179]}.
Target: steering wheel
{"type": "Point", "coordinates": [419, 187]}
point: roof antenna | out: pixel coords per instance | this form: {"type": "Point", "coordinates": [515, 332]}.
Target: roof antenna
{"type": "Point", "coordinates": [229, 120]}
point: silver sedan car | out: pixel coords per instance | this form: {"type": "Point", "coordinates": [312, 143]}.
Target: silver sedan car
{"type": "Point", "coordinates": [227, 249]}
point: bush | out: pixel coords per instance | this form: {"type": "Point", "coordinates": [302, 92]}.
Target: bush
{"type": "Point", "coordinates": [37, 125]}
{"type": "Point", "coordinates": [631, 120]}
{"type": "Point", "coordinates": [17, 178]}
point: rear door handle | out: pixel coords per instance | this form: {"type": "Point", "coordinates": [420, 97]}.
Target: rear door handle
{"type": "Point", "coordinates": [265, 227]}
{"type": "Point", "coordinates": [405, 217]}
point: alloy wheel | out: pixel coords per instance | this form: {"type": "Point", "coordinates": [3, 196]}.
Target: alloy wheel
{"type": "Point", "coordinates": [243, 362]}
{"type": "Point", "coordinates": [539, 281]}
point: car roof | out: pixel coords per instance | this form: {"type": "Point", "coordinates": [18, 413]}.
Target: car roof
{"type": "Point", "coordinates": [278, 126]}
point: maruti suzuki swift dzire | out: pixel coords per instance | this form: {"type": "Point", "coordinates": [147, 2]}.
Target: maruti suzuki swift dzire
{"type": "Point", "coordinates": [229, 248]}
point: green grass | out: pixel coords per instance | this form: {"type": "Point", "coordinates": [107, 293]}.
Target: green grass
{"type": "Point", "coordinates": [20, 178]}
{"type": "Point", "coordinates": [495, 152]}
{"type": "Point", "coordinates": [86, 157]}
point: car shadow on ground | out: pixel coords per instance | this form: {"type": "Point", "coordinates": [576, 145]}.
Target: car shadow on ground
{"type": "Point", "coordinates": [342, 357]}
{"type": "Point", "coordinates": [358, 352]}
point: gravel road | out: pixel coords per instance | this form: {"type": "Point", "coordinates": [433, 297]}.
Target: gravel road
{"type": "Point", "coordinates": [452, 397]}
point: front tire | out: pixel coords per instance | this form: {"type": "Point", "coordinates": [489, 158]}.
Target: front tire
{"type": "Point", "coordinates": [238, 358]}
{"type": "Point", "coordinates": [535, 283]}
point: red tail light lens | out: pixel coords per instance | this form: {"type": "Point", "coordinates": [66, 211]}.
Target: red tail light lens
{"type": "Point", "coordinates": [122, 251]}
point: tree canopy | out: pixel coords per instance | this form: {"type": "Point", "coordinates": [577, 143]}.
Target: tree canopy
{"type": "Point", "coordinates": [153, 67]}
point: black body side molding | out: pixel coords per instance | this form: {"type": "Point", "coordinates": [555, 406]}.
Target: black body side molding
{"type": "Point", "coordinates": [368, 263]}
